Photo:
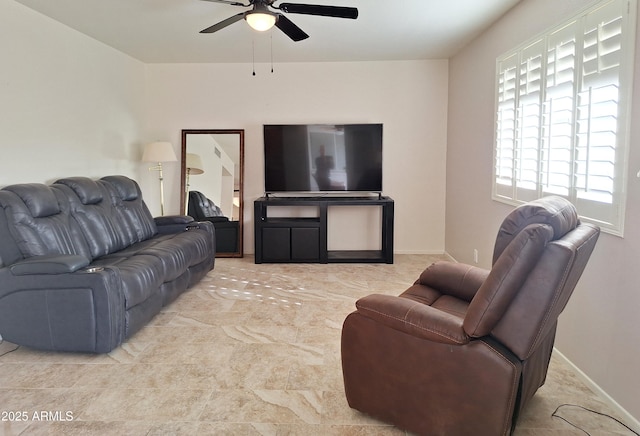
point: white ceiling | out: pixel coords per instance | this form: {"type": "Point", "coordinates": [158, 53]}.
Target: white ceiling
{"type": "Point", "coordinates": [167, 31]}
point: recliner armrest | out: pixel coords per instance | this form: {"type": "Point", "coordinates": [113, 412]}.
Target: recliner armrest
{"type": "Point", "coordinates": [49, 264]}
{"type": "Point", "coordinates": [175, 223]}
{"type": "Point", "coordinates": [455, 279]}
{"type": "Point", "coordinates": [216, 219]}
{"type": "Point", "coordinates": [414, 318]}
{"type": "Point", "coordinates": [173, 219]}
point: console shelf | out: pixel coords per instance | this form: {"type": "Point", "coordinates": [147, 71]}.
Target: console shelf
{"type": "Point", "coordinates": [283, 239]}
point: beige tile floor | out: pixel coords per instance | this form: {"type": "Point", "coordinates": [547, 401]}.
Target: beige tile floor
{"type": "Point", "coordinates": [251, 350]}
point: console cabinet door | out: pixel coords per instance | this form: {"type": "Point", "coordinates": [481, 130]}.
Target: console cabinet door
{"type": "Point", "coordinates": [305, 244]}
{"type": "Point", "coordinates": [276, 244]}
{"type": "Point", "coordinates": [290, 244]}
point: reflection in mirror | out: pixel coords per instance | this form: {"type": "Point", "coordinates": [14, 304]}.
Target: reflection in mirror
{"type": "Point", "coordinates": [212, 176]}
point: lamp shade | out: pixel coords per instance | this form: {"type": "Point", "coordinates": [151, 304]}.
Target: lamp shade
{"type": "Point", "coordinates": [261, 21]}
{"type": "Point", "coordinates": [194, 164]}
{"type": "Point", "coordinates": [159, 152]}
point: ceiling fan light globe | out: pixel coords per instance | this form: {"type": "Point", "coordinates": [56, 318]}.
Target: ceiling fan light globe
{"type": "Point", "coordinates": [261, 21]}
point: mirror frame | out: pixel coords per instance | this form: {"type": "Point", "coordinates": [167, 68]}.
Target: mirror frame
{"type": "Point", "coordinates": [183, 174]}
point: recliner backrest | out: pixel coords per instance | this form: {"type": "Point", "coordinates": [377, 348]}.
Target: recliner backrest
{"type": "Point", "coordinates": [39, 221]}
{"type": "Point", "coordinates": [133, 216]}
{"type": "Point", "coordinates": [91, 207]}
{"type": "Point", "coordinates": [554, 211]}
{"type": "Point", "coordinates": [505, 279]}
{"type": "Point", "coordinates": [201, 207]}
{"type": "Point", "coordinates": [541, 251]}
{"type": "Point", "coordinates": [534, 311]}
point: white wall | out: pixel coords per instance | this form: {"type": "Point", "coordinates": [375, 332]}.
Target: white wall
{"type": "Point", "coordinates": [69, 105]}
{"type": "Point", "coordinates": [409, 98]}
{"type": "Point", "coordinates": [600, 327]}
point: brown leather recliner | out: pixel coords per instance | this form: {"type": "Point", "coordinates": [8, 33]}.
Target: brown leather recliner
{"type": "Point", "coordinates": [464, 349]}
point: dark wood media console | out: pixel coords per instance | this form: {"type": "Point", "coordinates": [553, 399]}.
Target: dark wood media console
{"type": "Point", "coordinates": [283, 239]}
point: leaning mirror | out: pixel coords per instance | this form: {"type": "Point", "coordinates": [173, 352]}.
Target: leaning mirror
{"type": "Point", "coordinates": [212, 168]}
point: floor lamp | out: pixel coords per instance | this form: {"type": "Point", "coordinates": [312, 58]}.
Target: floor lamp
{"type": "Point", "coordinates": [159, 152]}
{"type": "Point", "coordinates": [194, 168]}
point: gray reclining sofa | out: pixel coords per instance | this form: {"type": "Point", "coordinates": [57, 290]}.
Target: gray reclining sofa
{"type": "Point", "coordinates": [84, 265]}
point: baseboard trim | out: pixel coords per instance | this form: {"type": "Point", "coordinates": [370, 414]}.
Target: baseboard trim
{"type": "Point", "coordinates": [453, 259]}
{"type": "Point", "coordinates": [425, 252]}
{"type": "Point", "coordinates": [627, 418]}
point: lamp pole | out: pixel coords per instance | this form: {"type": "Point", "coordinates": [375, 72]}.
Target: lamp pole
{"type": "Point", "coordinates": [161, 178]}
{"type": "Point", "coordinates": [159, 151]}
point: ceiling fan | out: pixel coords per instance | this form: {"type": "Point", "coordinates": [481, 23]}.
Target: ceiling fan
{"type": "Point", "coordinates": [261, 18]}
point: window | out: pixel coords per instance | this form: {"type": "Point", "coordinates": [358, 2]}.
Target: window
{"type": "Point", "coordinates": [563, 114]}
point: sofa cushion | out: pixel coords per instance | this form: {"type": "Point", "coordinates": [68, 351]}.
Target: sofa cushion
{"type": "Point", "coordinates": [126, 188]}
{"type": "Point", "coordinates": [90, 206]}
{"type": "Point", "coordinates": [160, 260]}
{"type": "Point", "coordinates": [175, 251]}
{"type": "Point", "coordinates": [132, 216]}
{"type": "Point", "coordinates": [87, 190]}
{"type": "Point", "coordinates": [39, 199]}
{"type": "Point", "coordinates": [39, 224]}
{"type": "Point", "coordinates": [140, 275]}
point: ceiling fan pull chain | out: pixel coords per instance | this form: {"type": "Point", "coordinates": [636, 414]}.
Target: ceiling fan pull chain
{"type": "Point", "coordinates": [253, 54]}
{"type": "Point", "coordinates": [271, 40]}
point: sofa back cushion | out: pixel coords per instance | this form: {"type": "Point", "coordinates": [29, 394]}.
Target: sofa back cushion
{"type": "Point", "coordinates": [91, 208]}
{"type": "Point", "coordinates": [200, 207]}
{"type": "Point", "coordinates": [75, 215]}
{"type": "Point", "coordinates": [9, 251]}
{"type": "Point", "coordinates": [39, 222]}
{"type": "Point", "coordinates": [132, 214]}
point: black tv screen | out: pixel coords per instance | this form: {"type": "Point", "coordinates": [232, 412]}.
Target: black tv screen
{"type": "Point", "coordinates": [323, 158]}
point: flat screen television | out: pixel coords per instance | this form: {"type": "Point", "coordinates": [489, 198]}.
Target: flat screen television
{"type": "Point", "coordinates": [323, 158]}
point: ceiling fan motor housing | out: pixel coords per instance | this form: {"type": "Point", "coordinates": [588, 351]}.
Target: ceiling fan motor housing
{"type": "Point", "coordinates": [261, 18]}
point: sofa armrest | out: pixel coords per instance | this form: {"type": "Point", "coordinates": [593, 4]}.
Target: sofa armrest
{"type": "Point", "coordinates": [49, 264]}
{"type": "Point", "coordinates": [173, 219]}
{"type": "Point", "coordinates": [216, 219]}
{"type": "Point", "coordinates": [79, 311]}
{"type": "Point", "coordinates": [455, 279]}
{"type": "Point", "coordinates": [414, 318]}
{"type": "Point", "coordinates": [174, 223]}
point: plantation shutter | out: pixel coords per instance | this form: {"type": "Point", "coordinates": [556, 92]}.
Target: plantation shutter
{"type": "Point", "coordinates": [557, 139]}
{"type": "Point", "coordinates": [506, 127]}
{"type": "Point", "coordinates": [563, 114]}
{"type": "Point", "coordinates": [600, 157]}
{"type": "Point", "coordinates": [530, 87]}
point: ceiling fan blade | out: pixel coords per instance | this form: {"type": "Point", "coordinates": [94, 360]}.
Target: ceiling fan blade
{"type": "Point", "coordinates": [228, 2]}
{"type": "Point", "coordinates": [325, 11]}
{"type": "Point", "coordinates": [224, 23]}
{"type": "Point", "coordinates": [290, 29]}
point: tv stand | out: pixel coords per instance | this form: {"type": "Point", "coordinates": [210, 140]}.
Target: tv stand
{"type": "Point", "coordinates": [284, 239]}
